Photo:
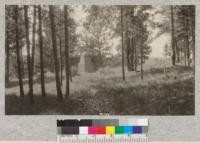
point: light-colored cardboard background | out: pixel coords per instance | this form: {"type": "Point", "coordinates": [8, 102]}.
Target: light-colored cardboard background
{"type": "Point", "coordinates": [162, 128]}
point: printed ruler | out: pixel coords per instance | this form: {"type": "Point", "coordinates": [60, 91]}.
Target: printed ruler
{"type": "Point", "coordinates": [103, 139]}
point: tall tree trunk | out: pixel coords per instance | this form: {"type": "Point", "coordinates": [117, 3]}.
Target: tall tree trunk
{"type": "Point", "coordinates": [188, 50]}
{"type": "Point", "coordinates": [187, 38]}
{"type": "Point", "coordinates": [100, 56]}
{"type": "Point", "coordinates": [133, 45]}
{"type": "Point", "coordinates": [56, 60]}
{"type": "Point", "coordinates": [141, 63]}
{"type": "Point", "coordinates": [67, 63]}
{"type": "Point", "coordinates": [128, 52]}
{"type": "Point", "coordinates": [28, 54]}
{"type": "Point", "coordinates": [185, 53]}
{"type": "Point", "coordinates": [41, 52]}
{"type": "Point", "coordinates": [70, 73]}
{"type": "Point", "coordinates": [22, 62]}
{"type": "Point", "coordinates": [135, 54]}
{"type": "Point", "coordinates": [192, 27]}
{"type": "Point", "coordinates": [193, 45]}
{"type": "Point", "coordinates": [132, 54]}
{"type": "Point", "coordinates": [122, 38]}
{"type": "Point", "coordinates": [61, 63]}
{"type": "Point", "coordinates": [177, 51]}
{"type": "Point", "coordinates": [7, 60]}
{"type": "Point", "coordinates": [172, 37]}
{"type": "Point", "coordinates": [18, 54]}
{"type": "Point", "coordinates": [33, 39]}
{"type": "Point", "coordinates": [60, 41]}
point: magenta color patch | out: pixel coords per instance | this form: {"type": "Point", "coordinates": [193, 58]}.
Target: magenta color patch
{"type": "Point", "coordinates": [92, 130]}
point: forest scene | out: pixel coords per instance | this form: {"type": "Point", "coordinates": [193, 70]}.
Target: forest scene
{"type": "Point", "coordinates": [99, 60]}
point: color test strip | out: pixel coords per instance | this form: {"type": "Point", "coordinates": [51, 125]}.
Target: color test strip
{"type": "Point", "coordinates": [103, 122]}
{"type": "Point", "coordinates": [93, 130]}
{"type": "Point", "coordinates": [101, 130]}
{"type": "Point", "coordinates": [83, 130]}
{"type": "Point", "coordinates": [119, 130]}
{"type": "Point", "coordinates": [143, 122]}
{"type": "Point", "coordinates": [102, 126]}
{"type": "Point", "coordinates": [128, 130]}
{"type": "Point", "coordinates": [137, 129]}
{"type": "Point", "coordinates": [70, 130]}
{"type": "Point", "coordinates": [85, 122]}
{"type": "Point", "coordinates": [110, 130]}
{"type": "Point", "coordinates": [144, 129]}
{"type": "Point", "coordinates": [134, 122]}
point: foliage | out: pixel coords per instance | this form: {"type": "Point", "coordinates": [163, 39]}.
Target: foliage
{"type": "Point", "coordinates": [98, 31]}
{"type": "Point", "coordinates": [10, 28]}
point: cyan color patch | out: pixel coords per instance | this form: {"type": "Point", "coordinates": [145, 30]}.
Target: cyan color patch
{"type": "Point", "coordinates": [128, 129]}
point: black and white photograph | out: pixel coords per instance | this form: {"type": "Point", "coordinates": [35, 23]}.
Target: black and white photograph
{"type": "Point", "coordinates": [100, 60]}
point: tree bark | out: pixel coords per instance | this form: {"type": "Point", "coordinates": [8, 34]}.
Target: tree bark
{"type": "Point", "coordinates": [172, 37]}
{"type": "Point", "coordinates": [141, 63]}
{"type": "Point", "coordinates": [28, 54]}
{"type": "Point", "coordinates": [22, 62]}
{"type": "Point", "coordinates": [67, 63]}
{"type": "Point", "coordinates": [177, 51]}
{"type": "Point", "coordinates": [7, 60]}
{"type": "Point", "coordinates": [41, 53]}
{"type": "Point", "coordinates": [135, 54]}
{"type": "Point", "coordinates": [18, 54]}
{"type": "Point", "coordinates": [122, 42]}
{"type": "Point", "coordinates": [192, 27]}
{"type": "Point", "coordinates": [70, 73]}
{"type": "Point", "coordinates": [61, 63]}
{"type": "Point", "coordinates": [185, 53]}
{"type": "Point", "coordinates": [132, 54]}
{"type": "Point", "coordinates": [193, 44]}
{"type": "Point", "coordinates": [128, 52]}
{"type": "Point", "coordinates": [187, 24]}
{"type": "Point", "coordinates": [188, 50]}
{"type": "Point", "coordinates": [56, 60]}
{"type": "Point", "coordinates": [33, 39]}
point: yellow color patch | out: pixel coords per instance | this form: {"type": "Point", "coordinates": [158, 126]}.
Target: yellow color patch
{"type": "Point", "coordinates": [110, 130]}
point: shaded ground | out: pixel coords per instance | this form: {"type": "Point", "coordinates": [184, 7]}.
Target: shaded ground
{"type": "Point", "coordinates": [171, 93]}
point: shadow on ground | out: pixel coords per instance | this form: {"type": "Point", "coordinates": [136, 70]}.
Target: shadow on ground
{"type": "Point", "coordinates": [15, 105]}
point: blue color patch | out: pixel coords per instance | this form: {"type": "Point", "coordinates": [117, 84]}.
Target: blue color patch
{"type": "Point", "coordinates": [128, 129]}
{"type": "Point", "coordinates": [137, 129]}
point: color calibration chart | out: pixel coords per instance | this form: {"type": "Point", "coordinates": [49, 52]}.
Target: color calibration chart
{"type": "Point", "coordinates": [102, 131]}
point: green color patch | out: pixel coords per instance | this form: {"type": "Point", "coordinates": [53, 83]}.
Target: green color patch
{"type": "Point", "coordinates": [119, 130]}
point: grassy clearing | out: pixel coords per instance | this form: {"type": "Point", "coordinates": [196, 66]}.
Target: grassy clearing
{"type": "Point", "coordinates": [171, 93]}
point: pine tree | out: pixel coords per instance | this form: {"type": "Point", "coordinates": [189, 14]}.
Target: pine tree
{"type": "Point", "coordinates": [33, 38]}
{"type": "Point", "coordinates": [55, 53]}
{"type": "Point", "coordinates": [67, 66]}
{"type": "Point", "coordinates": [122, 43]}
{"type": "Point", "coordinates": [41, 52]}
{"type": "Point", "coordinates": [173, 37]}
{"type": "Point", "coordinates": [18, 53]}
{"type": "Point", "coordinates": [30, 76]}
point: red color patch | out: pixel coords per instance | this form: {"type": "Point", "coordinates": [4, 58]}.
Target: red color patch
{"type": "Point", "coordinates": [101, 130]}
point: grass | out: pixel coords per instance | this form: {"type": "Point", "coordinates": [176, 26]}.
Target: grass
{"type": "Point", "coordinates": [171, 93]}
